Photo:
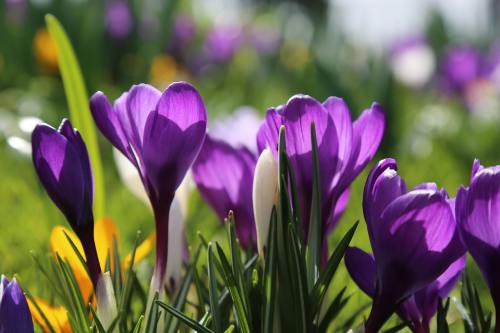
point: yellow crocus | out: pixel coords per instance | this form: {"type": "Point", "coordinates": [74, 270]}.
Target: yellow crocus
{"type": "Point", "coordinates": [45, 51]}
{"type": "Point", "coordinates": [104, 233]}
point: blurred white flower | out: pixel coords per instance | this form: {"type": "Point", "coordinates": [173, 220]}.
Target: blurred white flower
{"type": "Point", "coordinates": [413, 62]}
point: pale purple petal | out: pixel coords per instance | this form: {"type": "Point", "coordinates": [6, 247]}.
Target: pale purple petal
{"type": "Point", "coordinates": [140, 102]}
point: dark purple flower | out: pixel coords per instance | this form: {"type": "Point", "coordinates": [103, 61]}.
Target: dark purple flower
{"type": "Point", "coordinates": [222, 42]}
{"type": "Point", "coordinates": [224, 176]}
{"type": "Point", "coordinates": [459, 67]}
{"type": "Point", "coordinates": [63, 167]}
{"type": "Point", "coordinates": [478, 216]}
{"type": "Point", "coordinates": [118, 19]}
{"type": "Point", "coordinates": [161, 134]}
{"type": "Point", "coordinates": [15, 315]}
{"type": "Point", "coordinates": [413, 236]}
{"type": "Point", "coordinates": [419, 308]}
{"type": "Point", "coordinates": [345, 148]}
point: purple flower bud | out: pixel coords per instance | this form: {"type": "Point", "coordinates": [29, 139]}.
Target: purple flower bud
{"type": "Point", "coordinates": [224, 176]}
{"type": "Point", "coordinates": [63, 167]}
{"type": "Point", "coordinates": [15, 315]}
{"type": "Point", "coordinates": [118, 19]}
{"type": "Point", "coordinates": [344, 147]}
{"type": "Point", "coordinates": [414, 239]}
{"type": "Point", "coordinates": [478, 216]}
{"type": "Point", "coordinates": [161, 134]}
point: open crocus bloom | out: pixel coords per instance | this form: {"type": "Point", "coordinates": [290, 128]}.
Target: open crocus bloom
{"type": "Point", "coordinates": [105, 233]}
{"type": "Point", "coordinates": [224, 176]}
{"type": "Point", "coordinates": [419, 308]}
{"type": "Point", "coordinates": [478, 215]}
{"type": "Point", "coordinates": [161, 134]}
{"type": "Point", "coordinates": [344, 148]}
{"type": "Point", "coordinates": [414, 239]}
{"type": "Point", "coordinates": [14, 311]}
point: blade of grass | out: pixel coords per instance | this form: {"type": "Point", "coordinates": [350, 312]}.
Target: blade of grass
{"type": "Point", "coordinates": [185, 319]}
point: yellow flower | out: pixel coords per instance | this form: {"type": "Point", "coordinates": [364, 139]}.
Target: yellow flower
{"type": "Point", "coordinates": [164, 70]}
{"type": "Point", "coordinates": [45, 51]}
{"type": "Point", "coordinates": [104, 233]}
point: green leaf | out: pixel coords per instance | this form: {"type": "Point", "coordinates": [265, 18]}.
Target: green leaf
{"type": "Point", "coordinates": [227, 275]}
{"type": "Point", "coordinates": [313, 250]}
{"type": "Point", "coordinates": [326, 276]}
{"type": "Point", "coordinates": [78, 103]}
{"type": "Point", "coordinates": [270, 285]}
{"type": "Point", "coordinates": [117, 272]}
{"type": "Point", "coordinates": [442, 312]}
{"type": "Point", "coordinates": [185, 319]}
{"type": "Point", "coordinates": [138, 325]}
{"type": "Point", "coordinates": [153, 316]}
{"type": "Point", "coordinates": [97, 323]}
{"type": "Point", "coordinates": [333, 310]}
{"type": "Point", "coordinates": [213, 292]}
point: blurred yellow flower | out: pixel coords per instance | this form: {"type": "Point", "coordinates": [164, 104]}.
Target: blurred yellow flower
{"type": "Point", "coordinates": [45, 51]}
{"type": "Point", "coordinates": [104, 233]}
{"type": "Point", "coordinates": [164, 70]}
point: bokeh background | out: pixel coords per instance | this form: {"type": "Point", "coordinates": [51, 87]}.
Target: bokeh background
{"type": "Point", "coordinates": [434, 65]}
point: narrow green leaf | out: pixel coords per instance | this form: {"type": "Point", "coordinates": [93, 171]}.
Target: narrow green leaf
{"type": "Point", "coordinates": [78, 103]}
{"type": "Point", "coordinates": [442, 312]}
{"type": "Point", "coordinates": [117, 271]}
{"type": "Point", "coordinates": [333, 310]}
{"type": "Point", "coordinates": [313, 250]}
{"type": "Point", "coordinates": [227, 275]}
{"type": "Point", "coordinates": [213, 291]}
{"type": "Point", "coordinates": [97, 323]}
{"type": "Point", "coordinates": [153, 316]}
{"type": "Point", "coordinates": [298, 281]}
{"type": "Point", "coordinates": [270, 286]}
{"type": "Point", "coordinates": [78, 254]}
{"type": "Point", "coordinates": [126, 293]}
{"type": "Point", "coordinates": [138, 325]}
{"type": "Point", "coordinates": [185, 319]}
{"type": "Point", "coordinates": [319, 290]}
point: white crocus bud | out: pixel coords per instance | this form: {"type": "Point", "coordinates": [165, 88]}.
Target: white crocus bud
{"type": "Point", "coordinates": [106, 301]}
{"type": "Point", "coordinates": [175, 245]}
{"type": "Point", "coordinates": [130, 176]}
{"type": "Point", "coordinates": [265, 188]}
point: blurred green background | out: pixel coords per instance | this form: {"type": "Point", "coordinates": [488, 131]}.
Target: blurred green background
{"type": "Point", "coordinates": [254, 54]}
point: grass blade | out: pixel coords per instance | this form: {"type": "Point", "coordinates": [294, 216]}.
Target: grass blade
{"type": "Point", "coordinates": [185, 319]}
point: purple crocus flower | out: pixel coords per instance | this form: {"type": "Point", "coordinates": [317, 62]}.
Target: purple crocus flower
{"type": "Point", "coordinates": [344, 149]}
{"type": "Point", "coordinates": [15, 315]}
{"type": "Point", "coordinates": [459, 67]}
{"type": "Point", "coordinates": [63, 167]}
{"type": "Point", "coordinates": [419, 308]}
{"type": "Point", "coordinates": [161, 134]}
{"type": "Point", "coordinates": [118, 19]}
{"type": "Point", "coordinates": [184, 29]}
{"type": "Point", "coordinates": [414, 239]}
{"type": "Point", "coordinates": [222, 42]}
{"type": "Point", "coordinates": [478, 216]}
{"type": "Point", "coordinates": [224, 176]}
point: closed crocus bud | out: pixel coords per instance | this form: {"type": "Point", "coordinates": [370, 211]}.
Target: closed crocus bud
{"type": "Point", "coordinates": [414, 239]}
{"type": "Point", "coordinates": [15, 314]}
{"type": "Point", "coordinates": [224, 177]}
{"type": "Point", "coordinates": [106, 301]}
{"type": "Point", "coordinates": [478, 215]}
{"type": "Point", "coordinates": [161, 134]}
{"type": "Point", "coordinates": [63, 167]}
{"type": "Point", "coordinates": [265, 187]}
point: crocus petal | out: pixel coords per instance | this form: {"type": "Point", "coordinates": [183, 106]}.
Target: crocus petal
{"type": "Point", "coordinates": [264, 195]}
{"type": "Point", "coordinates": [175, 246]}
{"type": "Point", "coordinates": [15, 315]}
{"type": "Point", "coordinates": [338, 110]}
{"type": "Point", "coordinates": [108, 123]}
{"type": "Point", "coordinates": [141, 101]}
{"type": "Point", "coordinates": [368, 130]}
{"type": "Point", "coordinates": [130, 177]}
{"type": "Point", "coordinates": [60, 171]}
{"type": "Point", "coordinates": [180, 119]}
{"type": "Point", "coordinates": [57, 316]}
{"type": "Point", "coordinates": [427, 186]}
{"type": "Point", "coordinates": [476, 167]}
{"type": "Point", "coordinates": [417, 240]}
{"type": "Point", "coordinates": [105, 234]}
{"type": "Point", "coordinates": [340, 207]}
{"type": "Point", "coordinates": [224, 176]}
{"type": "Point", "coordinates": [361, 267]}
{"type": "Point", "coordinates": [106, 301]}
{"type": "Point", "coordinates": [268, 134]}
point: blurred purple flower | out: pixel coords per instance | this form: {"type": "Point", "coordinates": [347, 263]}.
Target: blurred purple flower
{"type": "Point", "coordinates": [459, 67]}
{"type": "Point", "coordinates": [414, 239]}
{"type": "Point", "coordinates": [264, 39]}
{"type": "Point", "coordinates": [478, 216]}
{"type": "Point", "coordinates": [15, 10]}
{"type": "Point", "coordinates": [222, 42]}
{"type": "Point", "coordinates": [224, 176]}
{"type": "Point", "coordinates": [161, 134]}
{"type": "Point", "coordinates": [119, 21]}
{"type": "Point", "coordinates": [419, 308]}
{"type": "Point", "coordinates": [62, 163]}
{"type": "Point", "coordinates": [345, 148]}
{"type": "Point", "coordinates": [184, 28]}
{"type": "Point", "coordinates": [15, 315]}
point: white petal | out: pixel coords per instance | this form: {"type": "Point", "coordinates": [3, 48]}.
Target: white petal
{"type": "Point", "coordinates": [106, 302]}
